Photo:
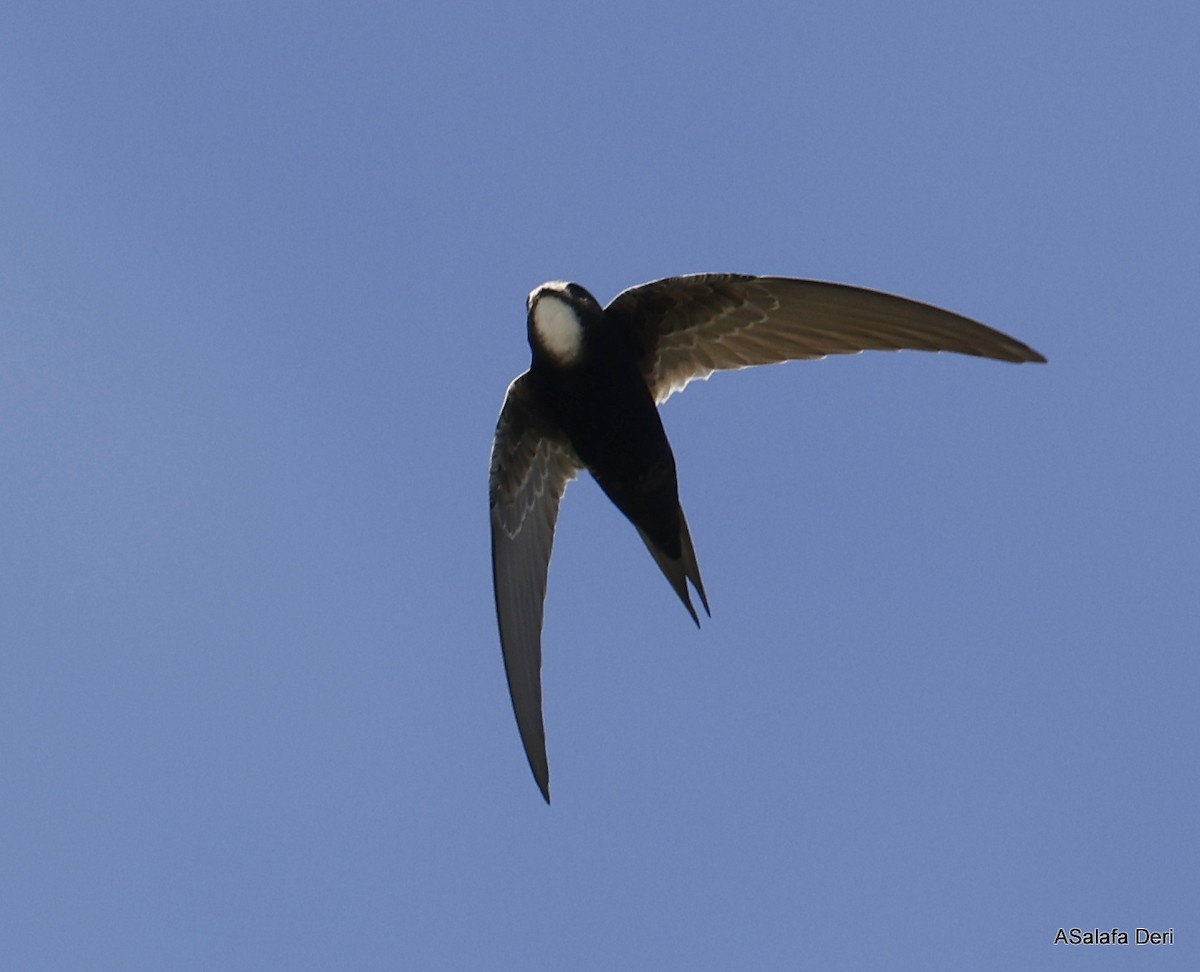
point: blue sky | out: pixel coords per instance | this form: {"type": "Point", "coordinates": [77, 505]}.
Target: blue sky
{"type": "Point", "coordinates": [262, 281]}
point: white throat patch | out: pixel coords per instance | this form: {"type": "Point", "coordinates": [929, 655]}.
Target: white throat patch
{"type": "Point", "coordinates": [558, 328]}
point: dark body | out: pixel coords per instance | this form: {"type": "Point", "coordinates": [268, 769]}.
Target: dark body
{"type": "Point", "coordinates": [609, 416]}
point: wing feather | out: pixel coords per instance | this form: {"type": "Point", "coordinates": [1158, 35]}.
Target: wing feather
{"type": "Point", "coordinates": [531, 466]}
{"type": "Point", "coordinates": [694, 325]}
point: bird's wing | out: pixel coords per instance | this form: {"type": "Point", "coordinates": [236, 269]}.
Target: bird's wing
{"type": "Point", "coordinates": [691, 326]}
{"type": "Point", "coordinates": [531, 466]}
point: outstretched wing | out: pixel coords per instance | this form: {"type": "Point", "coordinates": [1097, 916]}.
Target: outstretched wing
{"type": "Point", "coordinates": [531, 466]}
{"type": "Point", "coordinates": [694, 325]}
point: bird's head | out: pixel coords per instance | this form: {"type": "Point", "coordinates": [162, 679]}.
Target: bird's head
{"type": "Point", "coordinates": [560, 314]}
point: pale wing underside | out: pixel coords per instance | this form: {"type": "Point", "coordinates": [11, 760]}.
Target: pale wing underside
{"type": "Point", "coordinates": [531, 466]}
{"type": "Point", "coordinates": [694, 325]}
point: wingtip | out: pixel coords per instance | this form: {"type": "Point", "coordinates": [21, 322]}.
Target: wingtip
{"type": "Point", "coordinates": [1024, 354]}
{"type": "Point", "coordinates": [541, 776]}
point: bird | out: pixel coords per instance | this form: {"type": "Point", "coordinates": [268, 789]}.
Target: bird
{"type": "Point", "coordinates": [589, 400]}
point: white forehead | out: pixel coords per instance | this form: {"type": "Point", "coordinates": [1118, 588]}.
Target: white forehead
{"type": "Point", "coordinates": [549, 287]}
{"type": "Point", "coordinates": [557, 323]}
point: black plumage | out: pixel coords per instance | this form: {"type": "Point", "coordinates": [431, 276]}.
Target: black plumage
{"type": "Point", "coordinates": [589, 400]}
